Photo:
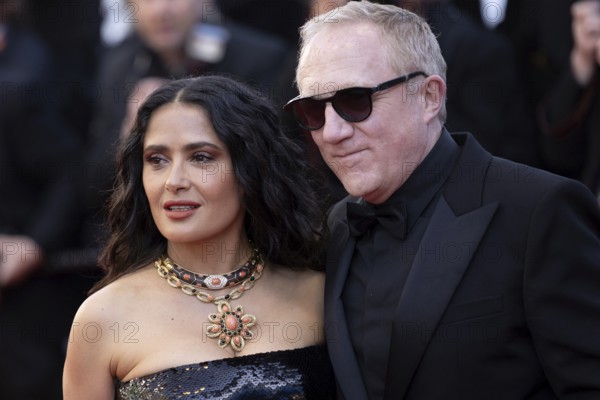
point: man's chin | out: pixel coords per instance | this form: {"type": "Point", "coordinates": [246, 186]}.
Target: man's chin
{"type": "Point", "coordinates": [357, 187]}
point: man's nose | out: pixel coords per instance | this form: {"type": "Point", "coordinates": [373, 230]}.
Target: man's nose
{"type": "Point", "coordinates": [335, 128]}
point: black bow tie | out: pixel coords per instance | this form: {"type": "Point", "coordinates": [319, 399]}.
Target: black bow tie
{"type": "Point", "coordinates": [362, 217]}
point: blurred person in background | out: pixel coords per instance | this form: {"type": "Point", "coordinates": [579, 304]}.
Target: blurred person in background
{"type": "Point", "coordinates": [540, 33]}
{"type": "Point", "coordinates": [570, 113]}
{"type": "Point", "coordinates": [71, 32]}
{"type": "Point", "coordinates": [39, 211]}
{"type": "Point", "coordinates": [557, 51]}
{"type": "Point", "coordinates": [279, 18]}
{"type": "Point", "coordinates": [485, 90]}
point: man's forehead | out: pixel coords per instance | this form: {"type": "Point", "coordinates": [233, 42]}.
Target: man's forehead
{"type": "Point", "coordinates": [322, 78]}
{"type": "Point", "coordinates": [328, 64]}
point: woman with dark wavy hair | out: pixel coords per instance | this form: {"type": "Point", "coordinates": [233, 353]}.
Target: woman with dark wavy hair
{"type": "Point", "coordinates": [212, 286]}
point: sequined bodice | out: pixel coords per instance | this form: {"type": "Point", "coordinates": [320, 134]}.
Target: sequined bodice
{"type": "Point", "coordinates": [297, 374]}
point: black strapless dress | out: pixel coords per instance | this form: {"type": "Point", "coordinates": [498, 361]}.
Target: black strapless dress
{"type": "Point", "coordinates": [296, 374]}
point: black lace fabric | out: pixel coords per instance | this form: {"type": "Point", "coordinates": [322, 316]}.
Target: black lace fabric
{"type": "Point", "coordinates": [296, 374]}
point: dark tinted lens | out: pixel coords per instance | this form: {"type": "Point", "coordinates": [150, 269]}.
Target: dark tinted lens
{"type": "Point", "coordinates": [309, 113]}
{"type": "Point", "coordinates": [354, 105]}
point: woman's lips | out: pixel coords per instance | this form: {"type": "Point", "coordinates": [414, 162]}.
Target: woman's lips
{"type": "Point", "coordinates": [180, 209]}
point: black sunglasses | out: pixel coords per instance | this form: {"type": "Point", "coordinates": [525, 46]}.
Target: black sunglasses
{"type": "Point", "coordinates": [353, 104]}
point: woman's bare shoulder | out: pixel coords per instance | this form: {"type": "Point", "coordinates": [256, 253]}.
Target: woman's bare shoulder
{"type": "Point", "coordinates": [93, 354]}
{"type": "Point", "coordinates": [115, 300]}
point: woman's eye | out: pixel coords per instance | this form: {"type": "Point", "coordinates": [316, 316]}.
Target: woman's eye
{"type": "Point", "coordinates": [202, 157]}
{"type": "Point", "coordinates": [154, 160]}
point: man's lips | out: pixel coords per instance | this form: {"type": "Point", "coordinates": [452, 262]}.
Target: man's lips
{"type": "Point", "coordinates": [347, 159]}
{"type": "Point", "coordinates": [347, 154]}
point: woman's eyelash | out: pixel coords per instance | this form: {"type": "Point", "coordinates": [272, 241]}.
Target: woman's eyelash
{"type": "Point", "coordinates": [202, 157]}
{"type": "Point", "coordinates": [154, 159]}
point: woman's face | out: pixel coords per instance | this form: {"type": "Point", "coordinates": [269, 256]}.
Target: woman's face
{"type": "Point", "coordinates": [189, 180]}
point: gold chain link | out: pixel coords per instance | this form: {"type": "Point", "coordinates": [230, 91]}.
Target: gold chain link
{"type": "Point", "coordinates": [164, 271]}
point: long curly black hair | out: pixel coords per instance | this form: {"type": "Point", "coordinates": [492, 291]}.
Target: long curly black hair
{"type": "Point", "coordinates": [284, 214]}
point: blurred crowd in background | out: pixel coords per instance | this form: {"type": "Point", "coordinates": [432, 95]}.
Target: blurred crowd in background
{"type": "Point", "coordinates": [522, 77]}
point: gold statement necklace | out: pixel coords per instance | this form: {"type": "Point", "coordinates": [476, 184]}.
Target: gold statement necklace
{"type": "Point", "coordinates": [230, 326]}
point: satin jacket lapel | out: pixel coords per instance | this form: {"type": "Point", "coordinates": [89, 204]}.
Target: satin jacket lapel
{"type": "Point", "coordinates": [459, 222]}
{"type": "Point", "coordinates": [430, 285]}
{"type": "Point", "coordinates": [341, 352]}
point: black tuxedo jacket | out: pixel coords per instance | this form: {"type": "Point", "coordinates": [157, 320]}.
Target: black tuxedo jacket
{"type": "Point", "coordinates": [503, 298]}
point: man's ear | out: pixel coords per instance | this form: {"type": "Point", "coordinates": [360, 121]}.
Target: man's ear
{"type": "Point", "coordinates": [434, 96]}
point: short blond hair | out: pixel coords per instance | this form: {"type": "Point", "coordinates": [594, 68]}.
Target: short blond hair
{"type": "Point", "coordinates": [411, 45]}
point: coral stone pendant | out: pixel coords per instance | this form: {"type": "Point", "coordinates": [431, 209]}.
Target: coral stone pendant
{"type": "Point", "coordinates": [230, 326]}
